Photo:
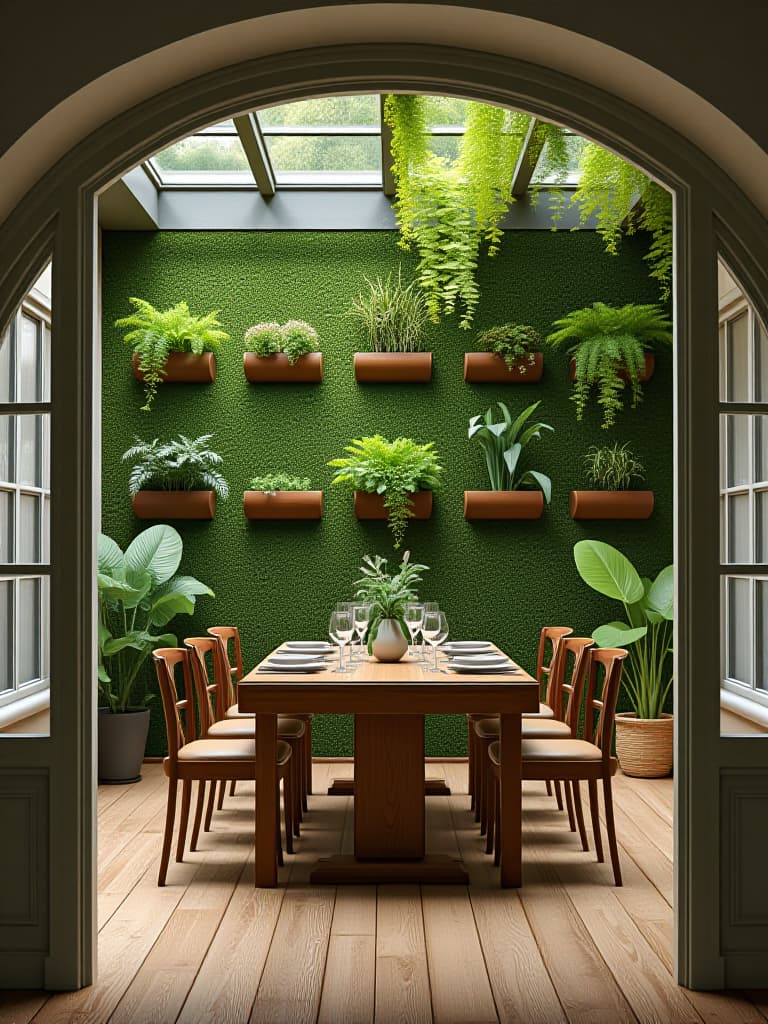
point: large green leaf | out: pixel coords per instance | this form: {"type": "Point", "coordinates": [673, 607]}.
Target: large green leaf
{"type": "Point", "coordinates": [141, 582]}
{"type": "Point", "coordinates": [117, 590]}
{"type": "Point", "coordinates": [617, 634]}
{"type": "Point", "coordinates": [661, 596]}
{"type": "Point", "coordinates": [156, 551]}
{"type": "Point", "coordinates": [111, 560]}
{"type": "Point", "coordinates": [607, 571]}
{"type": "Point", "coordinates": [542, 481]}
{"type": "Point", "coordinates": [176, 597]}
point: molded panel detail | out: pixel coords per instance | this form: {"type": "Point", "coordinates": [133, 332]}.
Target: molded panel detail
{"type": "Point", "coordinates": [24, 878]}
{"type": "Point", "coordinates": [744, 834]}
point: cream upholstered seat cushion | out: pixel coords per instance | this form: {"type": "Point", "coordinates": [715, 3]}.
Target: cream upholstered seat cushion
{"type": "Point", "coordinates": [218, 750]}
{"type": "Point", "coordinates": [545, 729]}
{"type": "Point", "coordinates": [560, 750]}
{"type": "Point", "coordinates": [488, 728]}
{"type": "Point", "coordinates": [545, 711]}
{"type": "Point", "coordinates": [235, 712]}
{"type": "Point", "coordinates": [245, 728]}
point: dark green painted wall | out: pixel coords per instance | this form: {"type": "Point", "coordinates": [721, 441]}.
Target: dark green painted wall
{"type": "Point", "coordinates": [280, 580]}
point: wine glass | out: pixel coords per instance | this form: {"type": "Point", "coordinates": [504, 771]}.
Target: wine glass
{"type": "Point", "coordinates": [340, 629]}
{"type": "Point", "coordinates": [414, 616]}
{"type": "Point", "coordinates": [361, 615]}
{"type": "Point", "coordinates": [434, 631]}
{"type": "Point", "coordinates": [429, 606]}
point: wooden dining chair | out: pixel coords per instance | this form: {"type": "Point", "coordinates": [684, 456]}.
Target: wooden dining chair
{"type": "Point", "coordinates": [548, 639]}
{"type": "Point", "coordinates": [567, 672]}
{"type": "Point", "coordinates": [235, 672]}
{"type": "Point", "coordinates": [572, 760]}
{"type": "Point", "coordinates": [290, 730]}
{"type": "Point", "coordinates": [191, 758]}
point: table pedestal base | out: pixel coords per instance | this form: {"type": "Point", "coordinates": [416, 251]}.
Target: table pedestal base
{"type": "Point", "coordinates": [346, 787]}
{"type": "Point", "coordinates": [346, 870]}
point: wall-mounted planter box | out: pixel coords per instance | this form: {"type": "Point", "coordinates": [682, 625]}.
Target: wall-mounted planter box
{"type": "Point", "coordinates": [488, 368]}
{"type": "Point", "coordinates": [283, 505]}
{"type": "Point", "coordinates": [393, 367]}
{"type": "Point", "coordinates": [503, 504]}
{"type": "Point", "coordinates": [276, 369]}
{"type": "Point", "coordinates": [174, 504]}
{"type": "Point", "coordinates": [611, 504]}
{"type": "Point", "coordinates": [371, 506]}
{"type": "Point", "coordinates": [646, 374]}
{"type": "Point", "coordinates": [184, 368]}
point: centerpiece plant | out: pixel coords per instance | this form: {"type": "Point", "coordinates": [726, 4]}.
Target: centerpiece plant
{"type": "Point", "coordinates": [612, 470]}
{"type": "Point", "coordinates": [157, 334]}
{"type": "Point", "coordinates": [175, 479]}
{"type": "Point", "coordinates": [400, 475]}
{"type": "Point", "coordinates": [643, 737]}
{"type": "Point", "coordinates": [608, 345]}
{"type": "Point", "coordinates": [281, 495]}
{"type": "Point", "coordinates": [387, 595]}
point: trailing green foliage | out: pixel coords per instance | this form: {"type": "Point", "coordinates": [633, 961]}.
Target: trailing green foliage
{"type": "Point", "coordinates": [271, 482]}
{"type": "Point", "coordinates": [503, 443]}
{"type": "Point", "coordinates": [139, 593]}
{"type": "Point", "coordinates": [387, 594]}
{"type": "Point", "coordinates": [156, 333]}
{"type": "Point", "coordinates": [179, 465]}
{"type": "Point", "coordinates": [613, 467]}
{"type": "Point", "coordinates": [295, 339]}
{"type": "Point", "coordinates": [515, 343]}
{"type": "Point", "coordinates": [648, 629]}
{"type": "Point", "coordinates": [395, 469]}
{"type": "Point", "coordinates": [393, 315]}
{"type": "Point", "coordinates": [608, 341]}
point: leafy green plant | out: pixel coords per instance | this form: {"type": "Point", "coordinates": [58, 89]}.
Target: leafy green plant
{"type": "Point", "coordinates": [613, 467]}
{"type": "Point", "coordinates": [607, 342]}
{"type": "Point", "coordinates": [264, 339]}
{"type": "Point", "coordinates": [156, 333]}
{"type": "Point", "coordinates": [515, 343]}
{"type": "Point", "coordinates": [271, 482]}
{"type": "Point", "coordinates": [393, 468]}
{"type": "Point", "coordinates": [179, 465]}
{"type": "Point", "coordinates": [294, 338]}
{"type": "Point", "coordinates": [138, 593]}
{"type": "Point", "coordinates": [387, 594]}
{"type": "Point", "coordinates": [503, 443]}
{"type": "Point", "coordinates": [393, 315]}
{"type": "Point", "coordinates": [647, 631]}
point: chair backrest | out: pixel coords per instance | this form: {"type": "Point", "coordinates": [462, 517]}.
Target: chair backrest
{"type": "Point", "coordinates": [568, 672]}
{"type": "Point", "coordinates": [547, 645]}
{"type": "Point", "coordinates": [209, 693]}
{"type": "Point", "coordinates": [603, 681]}
{"type": "Point", "coordinates": [233, 673]}
{"type": "Point", "coordinates": [180, 718]}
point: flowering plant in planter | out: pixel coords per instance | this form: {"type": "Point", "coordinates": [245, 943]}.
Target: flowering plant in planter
{"type": "Point", "coordinates": [294, 339]}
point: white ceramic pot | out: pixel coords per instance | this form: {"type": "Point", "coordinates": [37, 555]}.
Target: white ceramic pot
{"type": "Point", "coordinates": [390, 643]}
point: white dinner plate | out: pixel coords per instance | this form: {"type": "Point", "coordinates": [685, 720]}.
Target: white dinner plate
{"type": "Point", "coordinates": [295, 659]}
{"type": "Point", "coordinates": [309, 646]}
{"type": "Point", "coordinates": [483, 670]}
{"type": "Point", "coordinates": [467, 646]}
{"type": "Point", "coordinates": [481, 660]}
{"type": "Point", "coordinates": [313, 666]}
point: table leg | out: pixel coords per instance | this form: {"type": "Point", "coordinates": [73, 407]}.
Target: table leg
{"type": "Point", "coordinates": [510, 781]}
{"type": "Point", "coordinates": [266, 809]}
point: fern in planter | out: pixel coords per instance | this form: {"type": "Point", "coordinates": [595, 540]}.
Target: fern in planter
{"type": "Point", "coordinates": [607, 340]}
{"type": "Point", "coordinates": [179, 465]}
{"type": "Point", "coordinates": [156, 333]}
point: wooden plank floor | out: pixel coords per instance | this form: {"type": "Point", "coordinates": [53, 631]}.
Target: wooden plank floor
{"type": "Point", "coordinates": [568, 947]}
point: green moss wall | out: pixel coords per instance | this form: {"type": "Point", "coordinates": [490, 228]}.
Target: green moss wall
{"type": "Point", "coordinates": [278, 580]}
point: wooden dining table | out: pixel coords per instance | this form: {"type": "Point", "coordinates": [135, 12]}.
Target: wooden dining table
{"type": "Point", "coordinates": [389, 701]}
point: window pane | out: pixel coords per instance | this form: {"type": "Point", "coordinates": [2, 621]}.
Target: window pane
{"type": "Point", "coordinates": [29, 529]}
{"type": "Point", "coordinates": [739, 660]}
{"type": "Point", "coordinates": [6, 427]}
{"type": "Point", "coordinates": [28, 450]}
{"type": "Point", "coordinates": [318, 159]}
{"type": "Point", "coordinates": [327, 110]}
{"type": "Point", "coordinates": [738, 529]}
{"type": "Point", "coordinates": [761, 515]}
{"type": "Point", "coordinates": [546, 172]}
{"type": "Point", "coordinates": [737, 359]}
{"type": "Point", "coordinates": [45, 625]}
{"type": "Point", "coordinates": [5, 366]}
{"type": "Point", "coordinates": [46, 364]}
{"type": "Point", "coordinates": [6, 526]}
{"type": "Point", "coordinates": [738, 470]}
{"type": "Point", "coordinates": [46, 538]}
{"type": "Point", "coordinates": [28, 360]}
{"type": "Point", "coordinates": [442, 111]}
{"type": "Point", "coordinates": [446, 146]}
{"type": "Point", "coordinates": [203, 153]}
{"type": "Point", "coordinates": [28, 631]}
{"type": "Point", "coordinates": [6, 639]}
{"type": "Point", "coordinates": [762, 620]}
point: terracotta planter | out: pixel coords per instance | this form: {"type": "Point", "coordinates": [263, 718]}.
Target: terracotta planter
{"type": "Point", "coordinates": [487, 368]}
{"type": "Point", "coordinates": [393, 367]}
{"type": "Point", "coordinates": [503, 504]}
{"type": "Point", "coordinates": [184, 368]}
{"type": "Point", "coordinates": [390, 644]}
{"type": "Point", "coordinates": [371, 506]}
{"type": "Point", "coordinates": [174, 504]}
{"type": "Point", "coordinates": [644, 745]}
{"type": "Point", "coordinates": [277, 369]}
{"type": "Point", "coordinates": [611, 504]}
{"type": "Point", "coordinates": [283, 505]}
{"type": "Point", "coordinates": [650, 366]}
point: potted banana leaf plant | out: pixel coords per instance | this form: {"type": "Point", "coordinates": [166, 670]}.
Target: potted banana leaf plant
{"type": "Point", "coordinates": [138, 593]}
{"type": "Point", "coordinates": [644, 735]}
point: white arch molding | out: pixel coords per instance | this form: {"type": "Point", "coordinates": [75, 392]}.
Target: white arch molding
{"type": "Point", "coordinates": [710, 213]}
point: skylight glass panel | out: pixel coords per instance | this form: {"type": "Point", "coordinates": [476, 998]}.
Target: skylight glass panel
{"type": "Point", "coordinates": [210, 157]}
{"type": "Point", "coordinates": [545, 173]}
{"type": "Point", "coordinates": [325, 159]}
{"type": "Point", "coordinates": [446, 112]}
{"type": "Point", "coordinates": [326, 112]}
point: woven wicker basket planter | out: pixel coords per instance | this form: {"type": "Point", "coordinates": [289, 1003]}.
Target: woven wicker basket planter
{"type": "Point", "coordinates": [644, 745]}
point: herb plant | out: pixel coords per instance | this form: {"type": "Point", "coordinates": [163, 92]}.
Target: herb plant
{"type": "Point", "coordinates": [394, 316]}
{"type": "Point", "coordinates": [503, 443]}
{"type": "Point", "coordinates": [387, 594]}
{"type": "Point", "coordinates": [647, 631]}
{"type": "Point", "coordinates": [606, 341]}
{"type": "Point", "coordinates": [178, 465]}
{"type": "Point", "coordinates": [271, 482]}
{"type": "Point", "coordinates": [138, 594]}
{"type": "Point", "coordinates": [393, 468]}
{"type": "Point", "coordinates": [156, 333]}
{"type": "Point", "coordinates": [613, 467]}
{"type": "Point", "coordinates": [264, 339]}
{"type": "Point", "coordinates": [515, 343]}
{"type": "Point", "coordinates": [295, 339]}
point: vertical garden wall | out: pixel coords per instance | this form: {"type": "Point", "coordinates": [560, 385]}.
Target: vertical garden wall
{"type": "Point", "coordinates": [279, 580]}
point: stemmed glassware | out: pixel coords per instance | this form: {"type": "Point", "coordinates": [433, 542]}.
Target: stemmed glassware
{"type": "Point", "coordinates": [414, 616]}
{"type": "Point", "coordinates": [361, 615]}
{"type": "Point", "coordinates": [435, 631]}
{"type": "Point", "coordinates": [429, 606]}
{"type": "Point", "coordinates": [340, 630]}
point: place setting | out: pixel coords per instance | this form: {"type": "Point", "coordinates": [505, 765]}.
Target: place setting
{"type": "Point", "coordinates": [300, 656]}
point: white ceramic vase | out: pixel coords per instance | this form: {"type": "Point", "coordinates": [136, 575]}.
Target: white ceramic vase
{"type": "Point", "coordinates": [390, 643]}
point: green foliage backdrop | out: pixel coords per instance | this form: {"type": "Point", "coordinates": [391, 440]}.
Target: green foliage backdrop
{"type": "Point", "coordinates": [278, 580]}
